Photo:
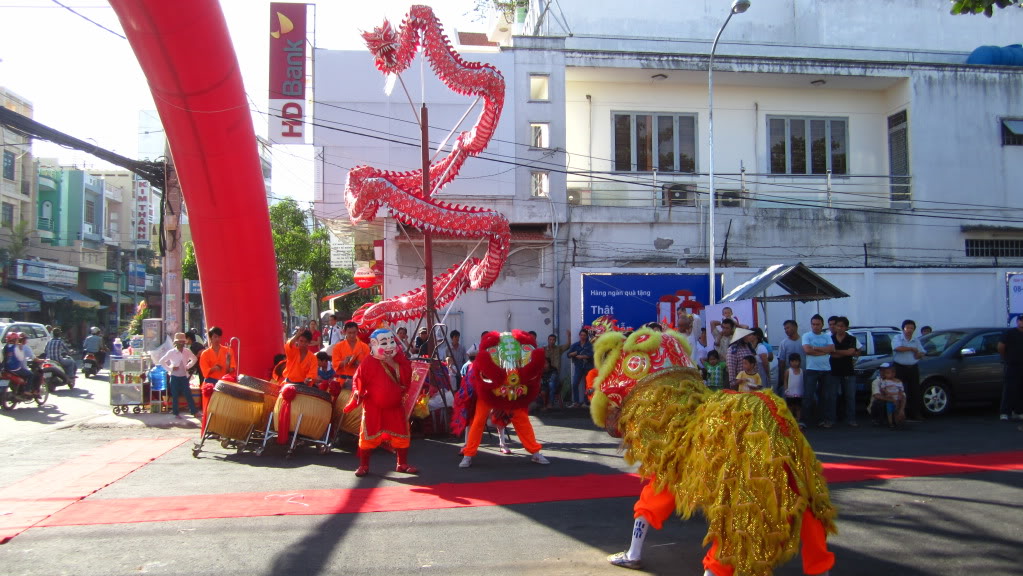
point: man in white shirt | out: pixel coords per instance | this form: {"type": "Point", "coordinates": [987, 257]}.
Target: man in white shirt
{"type": "Point", "coordinates": [332, 332]}
{"type": "Point", "coordinates": [177, 361]}
{"type": "Point", "coordinates": [909, 351]}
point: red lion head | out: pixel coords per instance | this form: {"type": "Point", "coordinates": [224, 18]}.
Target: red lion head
{"type": "Point", "coordinates": [508, 368]}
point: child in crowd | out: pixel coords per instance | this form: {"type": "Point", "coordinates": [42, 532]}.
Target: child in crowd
{"type": "Point", "coordinates": [715, 370]}
{"type": "Point", "coordinates": [324, 370]}
{"type": "Point", "coordinates": [888, 397]}
{"type": "Point", "coordinates": [794, 387]}
{"type": "Point", "coordinates": [749, 378]}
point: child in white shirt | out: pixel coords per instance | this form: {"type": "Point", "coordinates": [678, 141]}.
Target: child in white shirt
{"type": "Point", "coordinates": [794, 387]}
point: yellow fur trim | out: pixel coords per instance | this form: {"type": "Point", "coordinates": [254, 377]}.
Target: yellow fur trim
{"type": "Point", "coordinates": [726, 455]}
{"type": "Point", "coordinates": [598, 407]}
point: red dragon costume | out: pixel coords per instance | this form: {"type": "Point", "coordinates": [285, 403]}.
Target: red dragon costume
{"type": "Point", "coordinates": [506, 377]}
{"type": "Point", "coordinates": [739, 458]}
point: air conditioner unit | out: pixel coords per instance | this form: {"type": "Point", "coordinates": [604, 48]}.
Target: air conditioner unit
{"type": "Point", "coordinates": [729, 198]}
{"type": "Point", "coordinates": [578, 197]}
{"type": "Point", "coordinates": [678, 195]}
{"type": "Point", "coordinates": [87, 228]}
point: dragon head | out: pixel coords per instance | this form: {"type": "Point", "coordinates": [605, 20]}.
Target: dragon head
{"type": "Point", "coordinates": [508, 369]}
{"type": "Point", "coordinates": [623, 360]}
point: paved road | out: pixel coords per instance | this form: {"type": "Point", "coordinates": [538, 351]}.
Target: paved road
{"type": "Point", "coordinates": [967, 523]}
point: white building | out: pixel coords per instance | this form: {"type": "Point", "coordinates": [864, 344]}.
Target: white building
{"type": "Point", "coordinates": [906, 196]}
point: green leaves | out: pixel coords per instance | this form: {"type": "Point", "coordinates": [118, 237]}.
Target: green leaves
{"type": "Point", "coordinates": [981, 6]}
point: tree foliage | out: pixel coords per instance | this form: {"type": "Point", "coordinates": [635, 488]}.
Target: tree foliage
{"type": "Point", "coordinates": [985, 7]}
{"type": "Point", "coordinates": [189, 267]}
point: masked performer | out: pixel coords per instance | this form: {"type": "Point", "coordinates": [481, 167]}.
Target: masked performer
{"type": "Point", "coordinates": [738, 458]}
{"type": "Point", "coordinates": [506, 378]}
{"type": "Point", "coordinates": [380, 385]}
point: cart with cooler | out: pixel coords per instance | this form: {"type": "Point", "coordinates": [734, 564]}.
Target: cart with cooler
{"type": "Point", "coordinates": [129, 384]}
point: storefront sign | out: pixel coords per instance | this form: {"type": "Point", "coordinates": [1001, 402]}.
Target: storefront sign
{"type": "Point", "coordinates": [342, 251]}
{"type": "Point", "coordinates": [632, 299]}
{"type": "Point", "coordinates": [143, 211]}
{"type": "Point", "coordinates": [46, 272]}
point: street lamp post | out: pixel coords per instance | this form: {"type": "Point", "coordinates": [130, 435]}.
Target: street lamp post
{"type": "Point", "coordinates": [738, 7]}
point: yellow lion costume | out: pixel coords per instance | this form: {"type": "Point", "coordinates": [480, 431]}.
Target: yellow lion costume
{"type": "Point", "coordinates": [738, 458]}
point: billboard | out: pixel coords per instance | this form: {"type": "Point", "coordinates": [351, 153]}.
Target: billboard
{"type": "Point", "coordinates": [633, 298]}
{"type": "Point", "coordinates": [287, 73]}
{"type": "Point", "coordinates": [143, 211]}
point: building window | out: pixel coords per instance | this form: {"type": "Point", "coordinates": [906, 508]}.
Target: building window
{"type": "Point", "coordinates": [787, 138]}
{"type": "Point", "coordinates": [1012, 133]}
{"type": "Point", "coordinates": [540, 184]}
{"type": "Point", "coordinates": [645, 142]}
{"type": "Point", "coordinates": [539, 134]}
{"type": "Point", "coordinates": [90, 212]}
{"type": "Point", "coordinates": [539, 87]}
{"type": "Point", "coordinates": [7, 215]}
{"type": "Point", "coordinates": [8, 165]}
{"type": "Point", "coordinates": [898, 160]}
{"type": "Point", "coordinates": [994, 248]}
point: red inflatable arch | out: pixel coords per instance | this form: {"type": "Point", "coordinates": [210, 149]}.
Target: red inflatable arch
{"type": "Point", "coordinates": [187, 56]}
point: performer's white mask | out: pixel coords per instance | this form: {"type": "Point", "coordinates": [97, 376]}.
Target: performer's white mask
{"type": "Point", "coordinates": [382, 344]}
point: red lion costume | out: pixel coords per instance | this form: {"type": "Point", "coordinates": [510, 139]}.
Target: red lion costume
{"type": "Point", "coordinates": [506, 377]}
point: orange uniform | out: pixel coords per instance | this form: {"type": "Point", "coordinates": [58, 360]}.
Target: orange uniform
{"type": "Point", "coordinates": [299, 368]}
{"type": "Point", "coordinates": [343, 350]}
{"type": "Point", "coordinates": [210, 358]}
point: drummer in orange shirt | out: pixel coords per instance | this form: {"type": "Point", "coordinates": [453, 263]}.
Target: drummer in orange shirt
{"type": "Point", "coordinates": [215, 362]}
{"type": "Point", "coordinates": [349, 353]}
{"type": "Point", "coordinates": [301, 364]}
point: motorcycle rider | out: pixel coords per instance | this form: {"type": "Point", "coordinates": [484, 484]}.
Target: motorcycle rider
{"type": "Point", "coordinates": [93, 344]}
{"type": "Point", "coordinates": [58, 351]}
{"type": "Point", "coordinates": [16, 358]}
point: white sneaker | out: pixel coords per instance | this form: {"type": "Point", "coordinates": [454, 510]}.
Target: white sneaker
{"type": "Point", "coordinates": [466, 462]}
{"type": "Point", "coordinates": [1016, 416]}
{"type": "Point", "coordinates": [539, 459]}
{"type": "Point", "coordinates": [1004, 417]}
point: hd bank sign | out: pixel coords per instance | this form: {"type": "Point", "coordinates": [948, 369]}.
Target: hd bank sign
{"type": "Point", "coordinates": [287, 73]}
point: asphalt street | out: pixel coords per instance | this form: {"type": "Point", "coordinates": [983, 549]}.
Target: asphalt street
{"type": "Point", "coordinates": [964, 523]}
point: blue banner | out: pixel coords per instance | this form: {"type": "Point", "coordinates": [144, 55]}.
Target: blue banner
{"type": "Point", "coordinates": [633, 298]}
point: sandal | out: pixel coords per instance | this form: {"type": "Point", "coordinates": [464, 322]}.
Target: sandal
{"type": "Point", "coordinates": [407, 469]}
{"type": "Point", "coordinates": [362, 471]}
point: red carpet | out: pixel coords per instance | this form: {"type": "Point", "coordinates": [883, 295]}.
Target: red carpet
{"type": "Point", "coordinates": [502, 493]}
{"type": "Point", "coordinates": [26, 503]}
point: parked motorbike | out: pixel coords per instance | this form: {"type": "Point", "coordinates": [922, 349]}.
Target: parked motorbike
{"type": "Point", "coordinates": [14, 389]}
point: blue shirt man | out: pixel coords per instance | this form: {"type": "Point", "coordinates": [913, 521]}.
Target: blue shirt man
{"type": "Point", "coordinates": [817, 346]}
{"type": "Point", "coordinates": [581, 354]}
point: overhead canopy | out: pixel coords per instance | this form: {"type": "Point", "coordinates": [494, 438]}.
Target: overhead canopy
{"type": "Point", "coordinates": [350, 289]}
{"type": "Point", "coordinates": [13, 302]}
{"type": "Point", "coordinates": [113, 296]}
{"type": "Point", "coordinates": [801, 283]}
{"type": "Point", "coordinates": [53, 294]}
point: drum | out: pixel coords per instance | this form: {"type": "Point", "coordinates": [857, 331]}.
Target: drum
{"type": "Point", "coordinates": [315, 408]}
{"type": "Point", "coordinates": [350, 422]}
{"type": "Point", "coordinates": [270, 391]}
{"type": "Point", "coordinates": [234, 411]}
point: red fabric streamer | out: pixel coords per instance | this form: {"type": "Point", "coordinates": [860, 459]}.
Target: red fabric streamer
{"type": "Point", "coordinates": [288, 393]}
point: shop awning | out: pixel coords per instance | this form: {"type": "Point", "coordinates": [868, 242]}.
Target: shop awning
{"type": "Point", "coordinates": [54, 294]}
{"type": "Point", "coordinates": [11, 301]}
{"type": "Point", "coordinates": [125, 298]}
{"type": "Point", "coordinates": [350, 289]}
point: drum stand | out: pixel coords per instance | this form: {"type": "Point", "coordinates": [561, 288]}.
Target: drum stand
{"type": "Point", "coordinates": [225, 443]}
{"type": "Point", "coordinates": [324, 443]}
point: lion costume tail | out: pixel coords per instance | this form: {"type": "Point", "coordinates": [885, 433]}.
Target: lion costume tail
{"type": "Point", "coordinates": [740, 459]}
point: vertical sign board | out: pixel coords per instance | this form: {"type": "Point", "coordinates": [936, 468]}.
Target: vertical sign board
{"type": "Point", "coordinates": [143, 200]}
{"type": "Point", "coordinates": [633, 299]}
{"type": "Point", "coordinates": [342, 250]}
{"type": "Point", "coordinates": [287, 73]}
{"type": "Point", "coordinates": [1014, 284]}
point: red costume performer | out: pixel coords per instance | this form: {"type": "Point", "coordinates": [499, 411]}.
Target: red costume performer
{"type": "Point", "coordinates": [506, 377]}
{"type": "Point", "coordinates": [380, 386]}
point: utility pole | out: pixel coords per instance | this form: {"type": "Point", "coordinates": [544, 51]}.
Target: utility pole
{"type": "Point", "coordinates": [173, 285]}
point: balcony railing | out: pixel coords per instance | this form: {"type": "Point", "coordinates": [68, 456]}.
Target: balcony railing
{"type": "Point", "coordinates": [45, 224]}
{"type": "Point", "coordinates": [744, 189]}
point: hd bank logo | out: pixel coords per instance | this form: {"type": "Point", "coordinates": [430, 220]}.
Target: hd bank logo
{"type": "Point", "coordinates": [287, 72]}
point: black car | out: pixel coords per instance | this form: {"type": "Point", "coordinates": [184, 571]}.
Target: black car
{"type": "Point", "coordinates": [961, 366]}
